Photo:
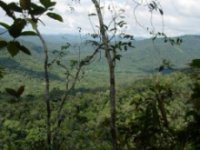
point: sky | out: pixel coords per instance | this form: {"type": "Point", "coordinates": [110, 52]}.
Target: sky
{"type": "Point", "coordinates": [180, 17]}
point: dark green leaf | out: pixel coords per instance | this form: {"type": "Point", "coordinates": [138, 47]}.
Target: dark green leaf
{"type": "Point", "coordinates": [25, 50]}
{"type": "Point", "coordinates": [17, 27]}
{"type": "Point", "coordinates": [130, 44]}
{"type": "Point", "coordinates": [118, 57]}
{"type": "Point", "coordinates": [161, 68]}
{"type": "Point", "coordinates": [47, 3]}
{"type": "Point", "coordinates": [12, 92]}
{"type": "Point", "coordinates": [195, 63]}
{"type": "Point", "coordinates": [161, 11]}
{"type": "Point", "coordinates": [55, 16]}
{"type": "Point", "coordinates": [37, 10]}
{"type": "Point", "coordinates": [127, 36]}
{"type": "Point", "coordinates": [94, 35]}
{"type": "Point", "coordinates": [3, 44]}
{"type": "Point", "coordinates": [121, 23]}
{"type": "Point", "coordinates": [5, 7]}
{"type": "Point", "coordinates": [125, 48]}
{"type": "Point", "coordinates": [105, 27]}
{"type": "Point", "coordinates": [92, 14]}
{"type": "Point", "coordinates": [28, 33]}
{"type": "Point", "coordinates": [13, 48]}
{"type": "Point", "coordinates": [13, 6]}
{"type": "Point", "coordinates": [113, 29]}
{"type": "Point", "coordinates": [2, 72]}
{"type": "Point", "coordinates": [20, 90]}
{"type": "Point", "coordinates": [4, 25]}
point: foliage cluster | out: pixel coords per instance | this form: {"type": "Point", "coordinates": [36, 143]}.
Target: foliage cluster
{"type": "Point", "coordinates": [140, 122]}
{"type": "Point", "coordinates": [159, 112]}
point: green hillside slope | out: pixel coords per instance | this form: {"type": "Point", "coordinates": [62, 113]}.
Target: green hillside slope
{"type": "Point", "coordinates": [136, 62]}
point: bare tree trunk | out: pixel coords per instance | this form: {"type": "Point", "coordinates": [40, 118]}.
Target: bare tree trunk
{"type": "Point", "coordinates": [47, 96]}
{"type": "Point", "coordinates": [113, 106]}
{"type": "Point", "coordinates": [111, 65]}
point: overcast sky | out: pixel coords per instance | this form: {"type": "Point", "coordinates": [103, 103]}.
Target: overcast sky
{"type": "Point", "coordinates": [180, 17]}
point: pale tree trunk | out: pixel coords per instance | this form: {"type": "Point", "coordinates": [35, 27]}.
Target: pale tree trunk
{"type": "Point", "coordinates": [111, 65]}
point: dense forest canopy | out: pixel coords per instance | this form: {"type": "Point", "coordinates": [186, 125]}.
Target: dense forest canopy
{"type": "Point", "coordinates": [99, 75]}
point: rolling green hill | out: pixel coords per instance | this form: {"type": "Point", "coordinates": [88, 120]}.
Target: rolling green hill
{"type": "Point", "coordinates": [136, 62]}
{"type": "Point", "coordinates": [86, 111]}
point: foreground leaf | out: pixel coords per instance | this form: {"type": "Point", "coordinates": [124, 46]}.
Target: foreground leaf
{"type": "Point", "coordinates": [13, 48]}
{"type": "Point", "coordinates": [195, 63]}
{"type": "Point", "coordinates": [13, 6]}
{"type": "Point", "coordinates": [3, 44]}
{"type": "Point", "coordinates": [12, 92]}
{"type": "Point", "coordinates": [24, 49]}
{"type": "Point", "coordinates": [20, 90]}
{"type": "Point", "coordinates": [37, 10]}
{"type": "Point", "coordinates": [47, 3]}
{"type": "Point", "coordinates": [55, 16]}
{"type": "Point", "coordinates": [17, 27]}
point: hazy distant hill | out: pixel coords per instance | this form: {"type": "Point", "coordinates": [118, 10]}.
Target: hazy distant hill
{"type": "Point", "coordinates": [144, 58]}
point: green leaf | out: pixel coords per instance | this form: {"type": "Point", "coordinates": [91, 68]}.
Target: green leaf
{"type": "Point", "coordinates": [3, 44]}
{"type": "Point", "coordinates": [127, 36]}
{"type": "Point", "coordinates": [105, 27]}
{"type": "Point", "coordinates": [113, 29]}
{"type": "Point", "coordinates": [17, 27]}
{"type": "Point", "coordinates": [5, 7]}
{"type": "Point", "coordinates": [37, 10]}
{"type": "Point", "coordinates": [13, 6]}
{"type": "Point", "coordinates": [195, 63]}
{"type": "Point", "coordinates": [15, 93]}
{"type": "Point", "coordinates": [161, 11]}
{"type": "Point", "coordinates": [28, 33]}
{"type": "Point", "coordinates": [94, 35]}
{"type": "Point", "coordinates": [92, 14]}
{"type": "Point", "coordinates": [12, 92]}
{"type": "Point", "coordinates": [20, 90]}
{"type": "Point", "coordinates": [2, 72]}
{"type": "Point", "coordinates": [4, 25]}
{"type": "Point", "coordinates": [125, 48]}
{"type": "Point", "coordinates": [55, 16]}
{"type": "Point", "coordinates": [13, 48]}
{"type": "Point", "coordinates": [121, 23]}
{"type": "Point", "coordinates": [118, 57]}
{"type": "Point", "coordinates": [47, 3]}
{"type": "Point", "coordinates": [24, 49]}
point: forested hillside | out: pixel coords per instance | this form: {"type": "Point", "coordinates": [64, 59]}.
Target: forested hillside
{"type": "Point", "coordinates": [143, 60]}
{"type": "Point", "coordinates": [106, 90]}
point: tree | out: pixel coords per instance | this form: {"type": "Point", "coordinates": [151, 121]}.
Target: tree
{"type": "Point", "coordinates": [111, 55]}
{"type": "Point", "coordinates": [72, 76]}
{"type": "Point", "coordinates": [30, 15]}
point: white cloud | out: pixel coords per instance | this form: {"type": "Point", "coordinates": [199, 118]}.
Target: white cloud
{"type": "Point", "coordinates": [180, 16]}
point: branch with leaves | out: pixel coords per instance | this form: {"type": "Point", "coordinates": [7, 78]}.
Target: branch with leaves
{"type": "Point", "coordinates": [29, 14]}
{"type": "Point", "coordinates": [111, 47]}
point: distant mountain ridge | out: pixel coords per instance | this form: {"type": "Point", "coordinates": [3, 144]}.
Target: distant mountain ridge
{"type": "Point", "coordinates": [144, 58]}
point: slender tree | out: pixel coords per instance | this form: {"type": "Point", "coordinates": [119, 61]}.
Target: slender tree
{"type": "Point", "coordinates": [30, 15]}
{"type": "Point", "coordinates": [111, 56]}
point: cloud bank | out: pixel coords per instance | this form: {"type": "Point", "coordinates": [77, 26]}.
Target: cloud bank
{"type": "Point", "coordinates": [180, 17]}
